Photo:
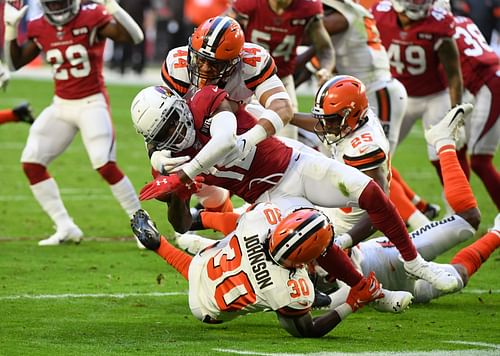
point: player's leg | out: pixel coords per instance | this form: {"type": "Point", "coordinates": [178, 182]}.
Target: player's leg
{"type": "Point", "coordinates": [437, 106]}
{"type": "Point", "coordinates": [214, 198]}
{"type": "Point", "coordinates": [484, 137]}
{"type": "Point", "coordinates": [98, 137]}
{"type": "Point", "coordinates": [48, 138]}
{"type": "Point", "coordinates": [390, 103]}
{"type": "Point", "coordinates": [21, 113]}
{"type": "Point", "coordinates": [326, 182]}
{"type": "Point", "coordinates": [146, 232]}
{"type": "Point", "coordinates": [408, 212]}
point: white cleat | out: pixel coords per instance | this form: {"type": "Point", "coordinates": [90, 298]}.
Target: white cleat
{"type": "Point", "coordinates": [431, 272]}
{"type": "Point", "coordinates": [449, 127]}
{"type": "Point", "coordinates": [71, 234]}
{"type": "Point", "coordinates": [393, 301]}
{"type": "Point", "coordinates": [192, 243]}
{"type": "Point", "coordinates": [496, 225]}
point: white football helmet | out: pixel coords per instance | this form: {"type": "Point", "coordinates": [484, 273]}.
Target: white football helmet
{"type": "Point", "coordinates": [163, 118]}
{"type": "Point", "coordinates": [414, 9]}
{"type": "Point", "coordinates": [60, 12]}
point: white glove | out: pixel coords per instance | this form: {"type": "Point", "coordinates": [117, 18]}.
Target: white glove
{"type": "Point", "coordinates": [11, 18]}
{"type": "Point", "coordinates": [4, 76]}
{"type": "Point", "coordinates": [110, 5]}
{"type": "Point", "coordinates": [343, 240]}
{"type": "Point", "coordinates": [163, 162]}
{"type": "Point", "coordinates": [239, 153]}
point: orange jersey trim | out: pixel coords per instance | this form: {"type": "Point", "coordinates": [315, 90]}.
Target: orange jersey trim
{"type": "Point", "coordinates": [368, 160]}
{"type": "Point", "coordinates": [178, 86]}
{"type": "Point", "coordinates": [269, 70]}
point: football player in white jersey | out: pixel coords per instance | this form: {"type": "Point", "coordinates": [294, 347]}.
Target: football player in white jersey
{"type": "Point", "coordinates": [218, 54]}
{"type": "Point", "coordinates": [360, 53]}
{"type": "Point", "coordinates": [261, 266]}
{"type": "Point", "coordinates": [380, 256]}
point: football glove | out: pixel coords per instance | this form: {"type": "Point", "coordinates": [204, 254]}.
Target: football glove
{"type": "Point", "coordinates": [11, 17]}
{"type": "Point", "coordinates": [4, 76]}
{"type": "Point", "coordinates": [163, 162]}
{"type": "Point", "coordinates": [164, 185]}
{"type": "Point", "coordinates": [366, 291]}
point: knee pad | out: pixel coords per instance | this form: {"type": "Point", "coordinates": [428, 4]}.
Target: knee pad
{"type": "Point", "coordinates": [35, 172]}
{"type": "Point", "coordinates": [111, 173]}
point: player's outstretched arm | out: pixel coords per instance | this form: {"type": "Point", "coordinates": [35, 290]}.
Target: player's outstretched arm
{"type": "Point", "coordinates": [449, 57]}
{"type": "Point", "coordinates": [364, 292]}
{"type": "Point", "coordinates": [125, 29]}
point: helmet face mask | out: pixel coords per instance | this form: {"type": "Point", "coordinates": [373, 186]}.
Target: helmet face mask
{"type": "Point", "coordinates": [414, 9]}
{"type": "Point", "coordinates": [300, 237]}
{"type": "Point", "coordinates": [214, 51]}
{"type": "Point", "coordinates": [163, 118]}
{"type": "Point", "coordinates": [60, 12]}
{"type": "Point", "coordinates": [340, 106]}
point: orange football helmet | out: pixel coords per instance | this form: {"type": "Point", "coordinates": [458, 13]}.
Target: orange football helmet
{"type": "Point", "coordinates": [214, 51]}
{"type": "Point", "coordinates": [300, 237]}
{"type": "Point", "coordinates": [340, 106]}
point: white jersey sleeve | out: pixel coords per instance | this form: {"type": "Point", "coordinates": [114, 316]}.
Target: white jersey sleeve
{"type": "Point", "coordinates": [174, 70]}
{"type": "Point", "coordinates": [359, 50]}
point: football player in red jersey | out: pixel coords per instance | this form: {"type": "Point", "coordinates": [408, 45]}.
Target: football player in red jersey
{"type": "Point", "coordinates": [71, 36]}
{"type": "Point", "coordinates": [279, 27]}
{"type": "Point", "coordinates": [213, 131]}
{"type": "Point", "coordinates": [419, 39]}
{"type": "Point", "coordinates": [218, 54]}
{"type": "Point", "coordinates": [481, 74]}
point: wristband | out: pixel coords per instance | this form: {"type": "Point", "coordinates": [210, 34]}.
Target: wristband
{"type": "Point", "coordinates": [255, 135]}
{"type": "Point", "coordinates": [273, 118]}
{"type": "Point", "coordinates": [343, 310]}
{"type": "Point", "coordinates": [281, 95]}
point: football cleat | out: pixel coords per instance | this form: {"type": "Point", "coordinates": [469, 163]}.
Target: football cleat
{"type": "Point", "coordinates": [71, 234]}
{"type": "Point", "coordinates": [393, 301]}
{"type": "Point", "coordinates": [448, 128]}
{"type": "Point", "coordinates": [192, 243]}
{"type": "Point", "coordinates": [145, 230]}
{"type": "Point", "coordinates": [496, 224]}
{"type": "Point", "coordinates": [431, 211]}
{"type": "Point", "coordinates": [24, 113]}
{"type": "Point", "coordinates": [432, 273]}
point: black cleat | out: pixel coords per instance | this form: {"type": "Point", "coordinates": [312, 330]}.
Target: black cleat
{"type": "Point", "coordinates": [24, 113]}
{"type": "Point", "coordinates": [431, 211]}
{"type": "Point", "coordinates": [196, 223]}
{"type": "Point", "coordinates": [145, 230]}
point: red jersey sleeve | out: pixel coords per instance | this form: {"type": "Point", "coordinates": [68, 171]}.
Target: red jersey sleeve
{"type": "Point", "coordinates": [245, 7]}
{"type": "Point", "coordinates": [205, 102]}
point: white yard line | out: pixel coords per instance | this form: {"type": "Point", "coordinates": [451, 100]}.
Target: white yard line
{"type": "Point", "coordinates": [471, 352]}
{"type": "Point", "coordinates": [89, 295]}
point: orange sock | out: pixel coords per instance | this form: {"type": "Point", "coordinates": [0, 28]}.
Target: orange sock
{"type": "Point", "coordinates": [415, 199]}
{"type": "Point", "coordinates": [457, 190]}
{"type": "Point", "coordinates": [474, 255]}
{"type": "Point", "coordinates": [176, 258]}
{"type": "Point", "coordinates": [227, 206]}
{"type": "Point", "coordinates": [403, 204]}
{"type": "Point", "coordinates": [7, 115]}
{"type": "Point", "coordinates": [223, 222]}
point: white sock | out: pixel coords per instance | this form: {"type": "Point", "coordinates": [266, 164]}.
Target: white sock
{"type": "Point", "coordinates": [125, 193]}
{"type": "Point", "coordinates": [340, 295]}
{"type": "Point", "coordinates": [417, 219]}
{"type": "Point", "coordinates": [48, 196]}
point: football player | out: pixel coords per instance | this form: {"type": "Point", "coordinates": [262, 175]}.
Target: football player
{"type": "Point", "coordinates": [206, 129]}
{"type": "Point", "coordinates": [218, 54]}
{"type": "Point", "coordinates": [71, 36]}
{"type": "Point", "coordinates": [360, 53]}
{"type": "Point", "coordinates": [380, 256]}
{"type": "Point", "coordinates": [419, 42]}
{"type": "Point", "coordinates": [261, 266]}
{"type": "Point", "coordinates": [480, 70]}
{"type": "Point", "coordinates": [279, 27]}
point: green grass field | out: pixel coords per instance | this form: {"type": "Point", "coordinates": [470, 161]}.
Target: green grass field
{"type": "Point", "coordinates": [106, 297]}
